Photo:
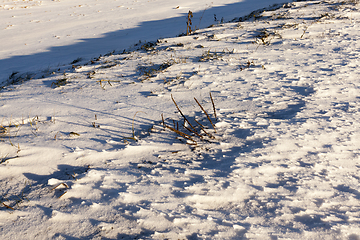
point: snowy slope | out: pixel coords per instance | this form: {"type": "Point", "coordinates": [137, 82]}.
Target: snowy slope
{"type": "Point", "coordinates": [40, 35]}
{"type": "Point", "coordinates": [118, 148]}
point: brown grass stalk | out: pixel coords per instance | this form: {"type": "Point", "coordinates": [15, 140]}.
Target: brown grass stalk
{"type": "Point", "coordinates": [202, 128]}
{"type": "Point", "coordinates": [212, 101]}
{"type": "Point", "coordinates": [197, 134]}
{"type": "Point", "coordinates": [163, 122]}
{"type": "Point", "coordinates": [184, 135]}
{"type": "Point", "coordinates": [8, 206]}
{"type": "Point", "coordinates": [207, 115]}
{"type": "Point", "coordinates": [182, 114]}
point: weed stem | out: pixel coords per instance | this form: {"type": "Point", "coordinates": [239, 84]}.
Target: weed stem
{"type": "Point", "coordinates": [182, 114]}
{"type": "Point", "coordinates": [207, 115]}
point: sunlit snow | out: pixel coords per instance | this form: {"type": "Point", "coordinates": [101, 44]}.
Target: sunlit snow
{"type": "Point", "coordinates": [247, 129]}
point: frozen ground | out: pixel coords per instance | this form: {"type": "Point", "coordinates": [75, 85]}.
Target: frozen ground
{"type": "Point", "coordinates": [99, 150]}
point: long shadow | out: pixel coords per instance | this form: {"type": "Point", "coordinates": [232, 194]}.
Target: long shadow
{"type": "Point", "coordinates": [123, 39]}
{"type": "Point", "coordinates": [64, 172]}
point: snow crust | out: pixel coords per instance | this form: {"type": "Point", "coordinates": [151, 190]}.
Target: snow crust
{"type": "Point", "coordinates": [99, 149]}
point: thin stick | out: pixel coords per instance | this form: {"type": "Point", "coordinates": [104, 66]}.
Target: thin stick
{"type": "Point", "coordinates": [193, 132]}
{"type": "Point", "coordinates": [8, 206]}
{"type": "Point", "coordinates": [202, 128]}
{"type": "Point", "coordinates": [162, 116]}
{"type": "Point", "coordinates": [184, 135]}
{"type": "Point", "coordinates": [64, 184]}
{"type": "Point", "coordinates": [179, 132]}
{"type": "Point", "coordinates": [212, 101]}
{"type": "Point", "coordinates": [62, 195]}
{"type": "Point", "coordinates": [207, 115]}
{"type": "Point", "coordinates": [182, 114]}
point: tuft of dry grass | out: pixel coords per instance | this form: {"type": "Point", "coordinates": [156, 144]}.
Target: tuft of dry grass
{"type": "Point", "coordinates": [192, 130]}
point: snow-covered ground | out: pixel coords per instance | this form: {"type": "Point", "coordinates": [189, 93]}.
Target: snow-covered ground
{"type": "Point", "coordinates": [118, 148]}
{"type": "Point", "coordinates": [40, 35]}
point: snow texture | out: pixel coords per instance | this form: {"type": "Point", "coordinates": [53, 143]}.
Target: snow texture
{"type": "Point", "coordinates": [244, 130]}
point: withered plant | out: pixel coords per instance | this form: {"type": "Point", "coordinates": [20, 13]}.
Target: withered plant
{"type": "Point", "coordinates": [191, 129]}
{"type": "Point", "coordinates": [189, 23]}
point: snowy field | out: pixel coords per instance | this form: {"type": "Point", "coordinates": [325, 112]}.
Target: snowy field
{"type": "Point", "coordinates": [244, 130]}
{"type": "Point", "coordinates": [38, 35]}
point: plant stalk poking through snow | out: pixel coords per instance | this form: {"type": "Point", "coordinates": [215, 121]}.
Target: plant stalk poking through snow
{"type": "Point", "coordinates": [212, 101]}
{"type": "Point", "coordinates": [207, 115]}
{"type": "Point", "coordinates": [7, 206]}
{"type": "Point", "coordinates": [192, 129]}
{"type": "Point", "coordinates": [133, 129]}
{"type": "Point", "coordinates": [185, 119]}
{"type": "Point", "coordinates": [189, 23]}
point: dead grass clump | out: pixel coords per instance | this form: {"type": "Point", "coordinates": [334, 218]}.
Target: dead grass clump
{"type": "Point", "coordinates": [191, 129]}
{"type": "Point", "coordinates": [60, 82]}
{"type": "Point", "coordinates": [248, 65]}
{"type": "Point", "coordinates": [149, 46]}
{"type": "Point", "coordinates": [147, 72]}
{"type": "Point", "coordinates": [265, 36]}
{"type": "Point", "coordinates": [213, 55]}
{"type": "Point", "coordinates": [17, 78]}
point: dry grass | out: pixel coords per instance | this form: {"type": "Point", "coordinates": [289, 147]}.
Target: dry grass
{"type": "Point", "coordinates": [191, 129]}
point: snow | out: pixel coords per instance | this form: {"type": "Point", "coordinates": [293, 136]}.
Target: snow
{"type": "Point", "coordinates": [41, 35]}
{"type": "Point", "coordinates": [98, 148]}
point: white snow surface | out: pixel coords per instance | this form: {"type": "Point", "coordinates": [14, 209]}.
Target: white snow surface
{"type": "Point", "coordinates": [117, 147]}
{"type": "Point", "coordinates": [40, 35]}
